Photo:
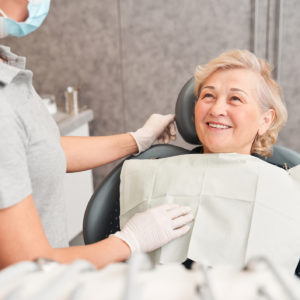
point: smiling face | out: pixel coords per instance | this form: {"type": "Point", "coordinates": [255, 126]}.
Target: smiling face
{"type": "Point", "coordinates": [227, 113]}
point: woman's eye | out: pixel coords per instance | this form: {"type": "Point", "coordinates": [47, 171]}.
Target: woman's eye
{"type": "Point", "coordinates": [235, 98]}
{"type": "Point", "coordinates": [207, 95]}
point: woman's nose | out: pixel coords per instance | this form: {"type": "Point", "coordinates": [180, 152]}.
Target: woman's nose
{"type": "Point", "coordinates": [218, 108]}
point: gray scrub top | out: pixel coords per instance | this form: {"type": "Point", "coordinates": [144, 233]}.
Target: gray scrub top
{"type": "Point", "coordinates": [32, 160]}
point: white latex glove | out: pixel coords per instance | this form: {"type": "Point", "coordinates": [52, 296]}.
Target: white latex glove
{"type": "Point", "coordinates": [155, 227]}
{"type": "Point", "coordinates": [160, 127]}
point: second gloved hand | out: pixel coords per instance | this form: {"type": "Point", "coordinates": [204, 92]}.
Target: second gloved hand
{"type": "Point", "coordinates": [157, 127]}
{"type": "Point", "coordinates": [155, 227]}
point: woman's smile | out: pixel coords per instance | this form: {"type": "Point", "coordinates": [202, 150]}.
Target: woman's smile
{"type": "Point", "coordinates": [217, 126]}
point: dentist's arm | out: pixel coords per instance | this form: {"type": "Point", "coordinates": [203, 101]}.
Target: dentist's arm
{"type": "Point", "coordinates": [84, 153]}
{"type": "Point", "coordinates": [88, 152]}
{"type": "Point", "coordinates": [22, 236]}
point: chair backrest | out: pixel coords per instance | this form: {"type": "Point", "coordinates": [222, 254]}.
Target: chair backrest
{"type": "Point", "coordinates": [102, 213]}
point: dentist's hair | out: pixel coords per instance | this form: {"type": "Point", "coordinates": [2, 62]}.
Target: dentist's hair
{"type": "Point", "coordinates": [268, 92]}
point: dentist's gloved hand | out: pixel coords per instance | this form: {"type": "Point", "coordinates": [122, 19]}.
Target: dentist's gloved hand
{"type": "Point", "coordinates": [160, 127]}
{"type": "Point", "coordinates": [155, 227]}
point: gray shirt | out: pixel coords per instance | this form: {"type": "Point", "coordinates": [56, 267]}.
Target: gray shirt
{"type": "Point", "coordinates": [32, 160]}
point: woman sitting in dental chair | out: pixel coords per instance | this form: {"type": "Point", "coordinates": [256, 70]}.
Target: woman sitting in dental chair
{"type": "Point", "coordinates": [243, 206]}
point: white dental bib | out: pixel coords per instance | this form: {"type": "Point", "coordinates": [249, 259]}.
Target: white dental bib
{"type": "Point", "coordinates": [243, 206]}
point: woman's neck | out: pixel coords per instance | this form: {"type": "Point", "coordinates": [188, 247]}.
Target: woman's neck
{"type": "Point", "coordinates": [15, 9]}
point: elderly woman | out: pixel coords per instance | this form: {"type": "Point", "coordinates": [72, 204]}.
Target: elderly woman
{"type": "Point", "coordinates": [239, 107]}
{"type": "Point", "coordinates": [243, 206]}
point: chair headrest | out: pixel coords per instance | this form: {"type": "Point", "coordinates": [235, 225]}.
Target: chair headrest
{"type": "Point", "coordinates": [184, 113]}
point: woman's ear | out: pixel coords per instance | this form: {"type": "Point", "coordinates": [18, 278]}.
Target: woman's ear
{"type": "Point", "coordinates": [266, 121]}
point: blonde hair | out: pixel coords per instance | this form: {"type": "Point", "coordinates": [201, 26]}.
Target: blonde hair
{"type": "Point", "coordinates": [269, 92]}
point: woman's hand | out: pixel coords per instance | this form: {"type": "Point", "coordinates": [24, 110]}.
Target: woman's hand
{"type": "Point", "coordinates": [155, 227]}
{"type": "Point", "coordinates": [157, 127]}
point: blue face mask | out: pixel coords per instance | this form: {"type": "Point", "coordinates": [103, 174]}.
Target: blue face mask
{"type": "Point", "coordinates": [37, 12]}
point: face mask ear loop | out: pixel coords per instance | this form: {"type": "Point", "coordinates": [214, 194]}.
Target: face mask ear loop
{"type": "Point", "coordinates": [3, 13]}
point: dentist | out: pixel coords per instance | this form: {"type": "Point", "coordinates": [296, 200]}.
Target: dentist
{"type": "Point", "coordinates": [34, 159]}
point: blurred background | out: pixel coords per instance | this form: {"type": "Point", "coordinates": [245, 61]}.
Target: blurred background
{"type": "Point", "coordinates": [130, 58]}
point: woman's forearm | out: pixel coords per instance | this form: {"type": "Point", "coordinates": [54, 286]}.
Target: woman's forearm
{"type": "Point", "coordinates": [99, 254]}
{"type": "Point", "coordinates": [22, 238]}
{"type": "Point", "coordinates": [144, 232]}
{"type": "Point", "coordinates": [84, 153]}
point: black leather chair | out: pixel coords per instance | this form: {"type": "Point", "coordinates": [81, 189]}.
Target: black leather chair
{"type": "Point", "coordinates": [102, 213]}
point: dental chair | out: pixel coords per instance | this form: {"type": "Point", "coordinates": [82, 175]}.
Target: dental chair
{"type": "Point", "coordinates": [102, 213]}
